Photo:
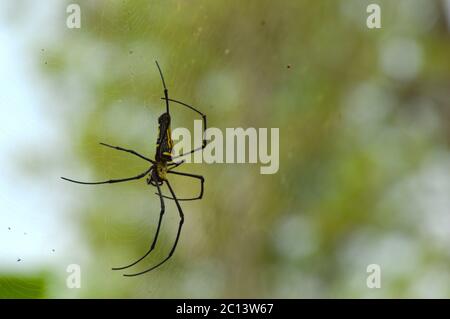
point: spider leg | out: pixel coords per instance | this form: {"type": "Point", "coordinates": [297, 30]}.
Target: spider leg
{"type": "Point", "coordinates": [180, 212]}
{"type": "Point", "coordinates": [128, 151]}
{"type": "Point", "coordinates": [201, 178]}
{"type": "Point", "coordinates": [111, 181]}
{"type": "Point", "coordinates": [166, 92]}
{"type": "Point", "coordinates": [204, 141]}
{"type": "Point", "coordinates": [156, 234]}
{"type": "Point", "coordinates": [175, 164]}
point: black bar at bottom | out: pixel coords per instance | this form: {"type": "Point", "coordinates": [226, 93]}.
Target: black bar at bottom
{"type": "Point", "coordinates": [223, 308]}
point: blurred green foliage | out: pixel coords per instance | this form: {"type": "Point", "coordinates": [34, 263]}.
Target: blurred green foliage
{"type": "Point", "coordinates": [22, 287]}
{"type": "Point", "coordinates": [363, 117]}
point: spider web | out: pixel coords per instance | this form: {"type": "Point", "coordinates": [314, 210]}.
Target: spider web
{"type": "Point", "coordinates": [119, 222]}
{"type": "Point", "coordinates": [309, 231]}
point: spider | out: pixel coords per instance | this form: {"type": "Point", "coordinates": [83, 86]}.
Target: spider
{"type": "Point", "coordinates": [162, 166]}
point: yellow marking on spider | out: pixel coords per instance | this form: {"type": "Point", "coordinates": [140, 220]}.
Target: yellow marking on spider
{"type": "Point", "coordinates": [161, 170]}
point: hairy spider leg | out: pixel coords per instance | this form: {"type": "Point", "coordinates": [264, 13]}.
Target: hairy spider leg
{"type": "Point", "coordinates": [128, 151]}
{"type": "Point", "coordinates": [161, 214]}
{"type": "Point", "coordinates": [166, 92]}
{"type": "Point", "coordinates": [158, 182]}
{"type": "Point", "coordinates": [111, 181]}
{"type": "Point", "coordinates": [204, 141]}
{"type": "Point", "coordinates": [202, 181]}
{"type": "Point", "coordinates": [175, 164]}
{"type": "Point", "coordinates": [180, 212]}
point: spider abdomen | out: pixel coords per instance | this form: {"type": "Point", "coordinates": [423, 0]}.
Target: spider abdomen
{"type": "Point", "coordinates": [164, 142]}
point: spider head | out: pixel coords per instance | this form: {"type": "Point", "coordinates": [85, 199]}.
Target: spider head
{"type": "Point", "coordinates": [154, 177]}
{"type": "Point", "coordinates": [161, 170]}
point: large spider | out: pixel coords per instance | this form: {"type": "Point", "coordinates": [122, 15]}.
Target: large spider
{"type": "Point", "coordinates": [161, 166]}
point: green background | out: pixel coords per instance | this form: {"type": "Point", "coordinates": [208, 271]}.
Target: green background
{"type": "Point", "coordinates": [364, 148]}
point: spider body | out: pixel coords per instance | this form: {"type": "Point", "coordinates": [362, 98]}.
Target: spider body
{"type": "Point", "coordinates": [164, 143]}
{"type": "Point", "coordinates": [157, 174]}
{"type": "Point", "coordinates": [161, 171]}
